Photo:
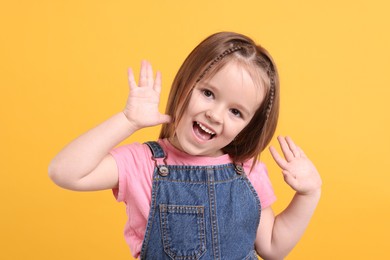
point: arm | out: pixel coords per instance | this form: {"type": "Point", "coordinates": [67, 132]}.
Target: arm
{"type": "Point", "coordinates": [277, 236]}
{"type": "Point", "coordinates": [85, 163]}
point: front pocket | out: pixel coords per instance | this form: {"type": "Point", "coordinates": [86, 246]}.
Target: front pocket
{"type": "Point", "coordinates": [183, 231]}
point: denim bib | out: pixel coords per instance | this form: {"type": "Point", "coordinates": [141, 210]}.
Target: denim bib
{"type": "Point", "coordinates": [200, 212]}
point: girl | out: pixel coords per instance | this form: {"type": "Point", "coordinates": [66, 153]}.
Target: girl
{"type": "Point", "coordinates": [199, 191]}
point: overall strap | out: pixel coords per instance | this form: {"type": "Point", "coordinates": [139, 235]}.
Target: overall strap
{"type": "Point", "coordinates": [158, 153]}
{"type": "Point", "coordinates": [156, 149]}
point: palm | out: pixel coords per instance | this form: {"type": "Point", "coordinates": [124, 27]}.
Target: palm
{"type": "Point", "coordinates": [299, 172]}
{"type": "Point", "coordinates": [143, 101]}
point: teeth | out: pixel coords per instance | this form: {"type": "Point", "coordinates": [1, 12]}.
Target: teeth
{"type": "Point", "coordinates": [205, 129]}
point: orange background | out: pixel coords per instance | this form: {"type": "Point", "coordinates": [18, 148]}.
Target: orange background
{"type": "Point", "coordinates": [63, 70]}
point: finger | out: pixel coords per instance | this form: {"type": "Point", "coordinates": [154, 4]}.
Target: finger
{"type": "Point", "coordinates": [143, 74]}
{"type": "Point", "coordinates": [293, 147]}
{"type": "Point", "coordinates": [157, 82]}
{"type": "Point", "coordinates": [130, 78]}
{"type": "Point", "coordinates": [149, 74]}
{"type": "Point", "coordinates": [301, 152]}
{"type": "Point", "coordinates": [285, 148]}
{"type": "Point", "coordinates": [278, 159]}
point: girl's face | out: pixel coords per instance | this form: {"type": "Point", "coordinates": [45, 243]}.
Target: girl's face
{"type": "Point", "coordinates": [219, 108]}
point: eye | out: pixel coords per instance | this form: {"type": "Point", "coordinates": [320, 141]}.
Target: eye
{"type": "Point", "coordinates": [236, 112]}
{"type": "Point", "coordinates": [207, 93]}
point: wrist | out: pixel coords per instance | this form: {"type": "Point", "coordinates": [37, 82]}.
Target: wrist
{"type": "Point", "coordinates": [312, 193]}
{"type": "Point", "coordinates": [130, 123]}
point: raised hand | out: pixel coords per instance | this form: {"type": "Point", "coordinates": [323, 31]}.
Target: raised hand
{"type": "Point", "coordinates": [142, 104]}
{"type": "Point", "coordinates": [298, 171]}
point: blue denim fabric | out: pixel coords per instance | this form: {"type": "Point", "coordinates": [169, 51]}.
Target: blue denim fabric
{"type": "Point", "coordinates": [200, 212]}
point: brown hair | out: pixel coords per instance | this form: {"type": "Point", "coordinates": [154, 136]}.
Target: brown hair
{"type": "Point", "coordinates": [206, 60]}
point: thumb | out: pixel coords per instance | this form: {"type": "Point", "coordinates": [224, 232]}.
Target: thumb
{"type": "Point", "coordinates": [165, 119]}
{"type": "Point", "coordinates": [289, 178]}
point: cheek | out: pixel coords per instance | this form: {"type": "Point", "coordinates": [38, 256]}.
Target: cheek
{"type": "Point", "coordinates": [195, 104]}
{"type": "Point", "coordinates": [235, 128]}
{"type": "Point", "coordinates": [244, 125]}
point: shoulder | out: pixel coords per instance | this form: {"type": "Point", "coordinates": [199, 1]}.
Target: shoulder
{"type": "Point", "coordinates": [132, 157]}
{"type": "Point", "coordinates": [257, 174]}
{"type": "Point", "coordinates": [259, 178]}
{"type": "Point", "coordinates": [135, 170]}
{"type": "Point", "coordinates": [135, 149]}
{"type": "Point", "coordinates": [134, 153]}
{"type": "Point", "coordinates": [258, 168]}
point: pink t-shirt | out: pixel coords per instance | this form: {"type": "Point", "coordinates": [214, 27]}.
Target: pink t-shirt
{"type": "Point", "coordinates": [135, 169]}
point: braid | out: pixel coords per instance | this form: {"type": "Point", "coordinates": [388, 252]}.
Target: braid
{"type": "Point", "coordinates": [217, 59]}
{"type": "Point", "coordinates": [267, 65]}
{"type": "Point", "coordinates": [271, 92]}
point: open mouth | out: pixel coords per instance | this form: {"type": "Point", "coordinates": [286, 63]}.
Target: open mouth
{"type": "Point", "coordinates": [203, 132]}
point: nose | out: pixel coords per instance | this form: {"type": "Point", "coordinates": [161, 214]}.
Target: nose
{"type": "Point", "coordinates": [214, 116]}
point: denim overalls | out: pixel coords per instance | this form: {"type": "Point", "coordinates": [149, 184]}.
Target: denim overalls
{"type": "Point", "coordinates": [200, 212]}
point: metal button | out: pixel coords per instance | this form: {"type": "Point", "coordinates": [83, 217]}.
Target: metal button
{"type": "Point", "coordinates": [163, 171]}
{"type": "Point", "coordinates": [239, 169]}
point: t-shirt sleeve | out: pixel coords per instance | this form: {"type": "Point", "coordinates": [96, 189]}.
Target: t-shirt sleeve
{"type": "Point", "coordinates": [134, 170]}
{"type": "Point", "coordinates": [262, 184]}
